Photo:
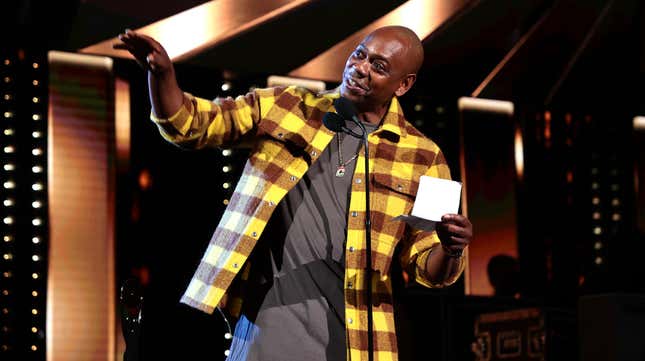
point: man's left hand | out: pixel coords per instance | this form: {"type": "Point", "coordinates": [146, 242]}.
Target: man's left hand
{"type": "Point", "coordinates": [455, 232]}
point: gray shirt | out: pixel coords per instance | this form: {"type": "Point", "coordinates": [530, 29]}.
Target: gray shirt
{"type": "Point", "coordinates": [295, 310]}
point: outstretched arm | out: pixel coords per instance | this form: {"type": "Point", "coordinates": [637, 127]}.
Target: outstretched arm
{"type": "Point", "coordinates": [165, 95]}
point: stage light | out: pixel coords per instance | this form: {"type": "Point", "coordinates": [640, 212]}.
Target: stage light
{"type": "Point", "coordinates": [35, 240]}
{"type": "Point", "coordinates": [35, 83]}
{"type": "Point", "coordinates": [615, 217]}
{"type": "Point", "coordinates": [8, 131]}
{"type": "Point", "coordinates": [226, 185]}
{"type": "Point", "coordinates": [37, 151]}
{"type": "Point", "coordinates": [227, 152]}
{"type": "Point", "coordinates": [35, 99]}
{"type": "Point", "coordinates": [8, 220]}
{"type": "Point", "coordinates": [615, 202]}
{"type": "Point", "coordinates": [226, 168]}
{"type": "Point", "coordinates": [598, 260]}
{"type": "Point", "coordinates": [35, 275]}
{"type": "Point", "coordinates": [9, 185]}
{"type": "Point", "coordinates": [7, 256]}
{"type": "Point", "coordinates": [37, 221]}
{"type": "Point", "coordinates": [35, 65]}
{"type": "Point", "coordinates": [7, 238]}
{"type": "Point", "coordinates": [9, 149]}
{"type": "Point", "coordinates": [34, 293]}
{"type": "Point", "coordinates": [35, 258]}
{"type": "Point", "coordinates": [36, 204]}
{"type": "Point", "coordinates": [9, 167]}
{"type": "Point", "coordinates": [35, 117]}
{"type": "Point", "coordinates": [597, 231]}
{"type": "Point", "coordinates": [8, 202]}
{"type": "Point", "coordinates": [37, 186]}
{"type": "Point", "coordinates": [8, 114]}
{"type": "Point", "coordinates": [7, 79]}
{"type": "Point", "coordinates": [7, 96]}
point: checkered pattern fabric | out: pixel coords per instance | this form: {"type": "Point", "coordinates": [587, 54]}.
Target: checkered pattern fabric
{"type": "Point", "coordinates": [286, 127]}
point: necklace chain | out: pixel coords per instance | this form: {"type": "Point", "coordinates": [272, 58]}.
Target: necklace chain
{"type": "Point", "coordinates": [340, 170]}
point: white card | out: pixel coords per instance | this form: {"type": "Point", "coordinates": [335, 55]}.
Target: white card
{"type": "Point", "coordinates": [435, 197]}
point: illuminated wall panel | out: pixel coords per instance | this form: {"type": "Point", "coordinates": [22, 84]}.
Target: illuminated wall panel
{"type": "Point", "coordinates": [489, 170]}
{"type": "Point", "coordinates": [81, 289]}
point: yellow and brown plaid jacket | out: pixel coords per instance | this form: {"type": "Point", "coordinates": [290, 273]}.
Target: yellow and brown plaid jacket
{"type": "Point", "coordinates": [286, 124]}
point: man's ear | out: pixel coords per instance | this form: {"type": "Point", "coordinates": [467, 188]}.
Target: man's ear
{"type": "Point", "coordinates": [405, 85]}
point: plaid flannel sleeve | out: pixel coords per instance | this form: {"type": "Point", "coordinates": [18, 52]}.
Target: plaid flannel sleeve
{"type": "Point", "coordinates": [419, 244]}
{"type": "Point", "coordinates": [222, 122]}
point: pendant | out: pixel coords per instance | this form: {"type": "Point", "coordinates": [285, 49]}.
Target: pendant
{"type": "Point", "coordinates": [340, 171]}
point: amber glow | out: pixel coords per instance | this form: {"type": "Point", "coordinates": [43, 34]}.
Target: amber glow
{"type": "Point", "coordinates": [639, 123]}
{"type": "Point", "coordinates": [422, 16]}
{"type": "Point", "coordinates": [203, 26]}
{"type": "Point", "coordinates": [519, 154]}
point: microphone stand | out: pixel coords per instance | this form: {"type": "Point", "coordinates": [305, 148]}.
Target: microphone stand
{"type": "Point", "coordinates": [368, 242]}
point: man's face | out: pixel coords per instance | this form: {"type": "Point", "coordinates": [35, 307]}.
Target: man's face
{"type": "Point", "coordinates": [374, 71]}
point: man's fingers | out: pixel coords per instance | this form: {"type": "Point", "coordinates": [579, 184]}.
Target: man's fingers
{"type": "Point", "coordinates": [459, 241]}
{"type": "Point", "coordinates": [453, 229]}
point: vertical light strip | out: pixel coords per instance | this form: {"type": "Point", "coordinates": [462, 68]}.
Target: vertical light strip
{"type": "Point", "coordinates": [122, 133]}
{"type": "Point", "coordinates": [488, 185]}
{"type": "Point", "coordinates": [81, 291]}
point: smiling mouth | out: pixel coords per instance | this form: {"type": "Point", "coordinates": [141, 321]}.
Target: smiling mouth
{"type": "Point", "coordinates": [351, 82]}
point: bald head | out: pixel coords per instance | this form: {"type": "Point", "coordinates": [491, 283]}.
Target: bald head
{"type": "Point", "coordinates": [412, 48]}
{"type": "Point", "coordinates": [383, 65]}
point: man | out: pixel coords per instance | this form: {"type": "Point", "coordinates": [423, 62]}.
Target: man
{"type": "Point", "coordinates": [291, 242]}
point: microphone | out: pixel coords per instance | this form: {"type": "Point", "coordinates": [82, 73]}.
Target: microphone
{"type": "Point", "coordinates": [347, 110]}
{"type": "Point", "coordinates": [336, 123]}
{"type": "Point", "coordinates": [333, 122]}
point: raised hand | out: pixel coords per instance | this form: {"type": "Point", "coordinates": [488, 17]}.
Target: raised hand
{"type": "Point", "coordinates": [147, 51]}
